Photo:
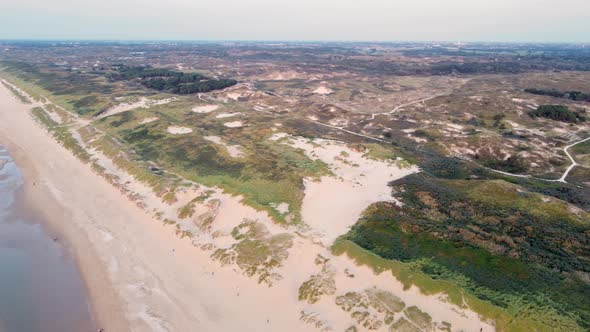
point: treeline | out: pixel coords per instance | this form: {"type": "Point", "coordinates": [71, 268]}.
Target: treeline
{"type": "Point", "coordinates": [477, 68]}
{"type": "Point", "coordinates": [128, 73]}
{"type": "Point", "coordinates": [558, 113]}
{"type": "Point", "coordinates": [571, 95]}
{"type": "Point", "coordinates": [170, 81]}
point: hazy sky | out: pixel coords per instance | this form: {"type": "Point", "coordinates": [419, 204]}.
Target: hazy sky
{"type": "Point", "coordinates": [386, 20]}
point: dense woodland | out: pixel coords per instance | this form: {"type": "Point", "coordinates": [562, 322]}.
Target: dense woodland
{"type": "Point", "coordinates": [170, 81]}
{"type": "Point", "coordinates": [558, 113]}
{"type": "Point", "coordinates": [571, 95]}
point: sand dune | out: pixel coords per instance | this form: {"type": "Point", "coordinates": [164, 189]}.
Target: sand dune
{"type": "Point", "coordinates": [142, 277]}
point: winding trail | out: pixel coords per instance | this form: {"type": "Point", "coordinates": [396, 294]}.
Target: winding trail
{"type": "Point", "coordinates": [397, 108]}
{"type": "Point", "coordinates": [574, 163]}
{"type": "Point", "coordinates": [563, 176]}
{"type": "Point", "coordinates": [349, 131]}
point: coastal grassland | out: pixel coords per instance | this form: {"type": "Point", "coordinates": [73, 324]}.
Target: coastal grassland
{"type": "Point", "coordinates": [86, 94]}
{"type": "Point", "coordinates": [126, 159]}
{"type": "Point", "coordinates": [581, 153]}
{"type": "Point", "coordinates": [267, 173]}
{"type": "Point", "coordinates": [17, 93]}
{"type": "Point", "coordinates": [580, 174]}
{"type": "Point", "coordinates": [582, 148]}
{"type": "Point", "coordinates": [257, 252]}
{"type": "Point", "coordinates": [387, 153]}
{"type": "Point", "coordinates": [517, 256]}
{"type": "Point", "coordinates": [61, 133]}
{"type": "Point", "coordinates": [408, 275]}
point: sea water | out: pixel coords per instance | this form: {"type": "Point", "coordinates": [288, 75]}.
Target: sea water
{"type": "Point", "coordinates": [40, 286]}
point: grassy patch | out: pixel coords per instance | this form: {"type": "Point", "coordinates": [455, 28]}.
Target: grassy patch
{"type": "Point", "coordinates": [17, 94]}
{"type": "Point", "coordinates": [85, 94]}
{"type": "Point", "coordinates": [582, 148]}
{"type": "Point", "coordinates": [257, 252]}
{"type": "Point", "coordinates": [269, 173]}
{"type": "Point", "coordinates": [61, 133]}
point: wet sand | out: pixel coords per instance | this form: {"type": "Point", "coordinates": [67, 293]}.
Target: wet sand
{"type": "Point", "coordinates": [41, 288]}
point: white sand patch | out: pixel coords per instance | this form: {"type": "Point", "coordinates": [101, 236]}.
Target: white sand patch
{"type": "Point", "coordinates": [455, 127]}
{"type": "Point", "coordinates": [281, 208]}
{"type": "Point", "coordinates": [284, 75]}
{"type": "Point", "coordinates": [205, 108]}
{"type": "Point", "coordinates": [233, 95]}
{"type": "Point", "coordinates": [227, 115]}
{"type": "Point", "coordinates": [322, 90]}
{"type": "Point", "coordinates": [214, 139]}
{"type": "Point", "coordinates": [335, 203]}
{"type": "Point", "coordinates": [234, 124]}
{"type": "Point", "coordinates": [417, 139]}
{"type": "Point", "coordinates": [143, 102]}
{"type": "Point", "coordinates": [278, 136]}
{"type": "Point", "coordinates": [461, 151]}
{"type": "Point", "coordinates": [178, 130]}
{"type": "Point", "coordinates": [339, 122]}
{"type": "Point", "coordinates": [235, 151]}
{"type": "Point", "coordinates": [53, 115]}
{"type": "Point", "coordinates": [513, 124]}
{"type": "Point", "coordinates": [148, 120]}
{"type": "Point", "coordinates": [313, 118]}
{"type": "Point", "coordinates": [559, 130]}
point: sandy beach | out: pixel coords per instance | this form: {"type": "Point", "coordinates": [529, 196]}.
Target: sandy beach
{"type": "Point", "coordinates": [141, 276]}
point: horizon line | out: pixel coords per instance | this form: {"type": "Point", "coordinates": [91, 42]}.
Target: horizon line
{"type": "Point", "coordinates": [162, 40]}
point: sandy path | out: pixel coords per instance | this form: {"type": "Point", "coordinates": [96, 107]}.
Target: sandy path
{"type": "Point", "coordinates": [349, 131]}
{"type": "Point", "coordinates": [397, 108]}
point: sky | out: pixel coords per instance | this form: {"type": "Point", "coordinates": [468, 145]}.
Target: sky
{"type": "Point", "coordinates": [341, 20]}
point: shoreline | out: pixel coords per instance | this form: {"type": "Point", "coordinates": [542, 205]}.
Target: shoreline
{"type": "Point", "coordinates": [105, 305]}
